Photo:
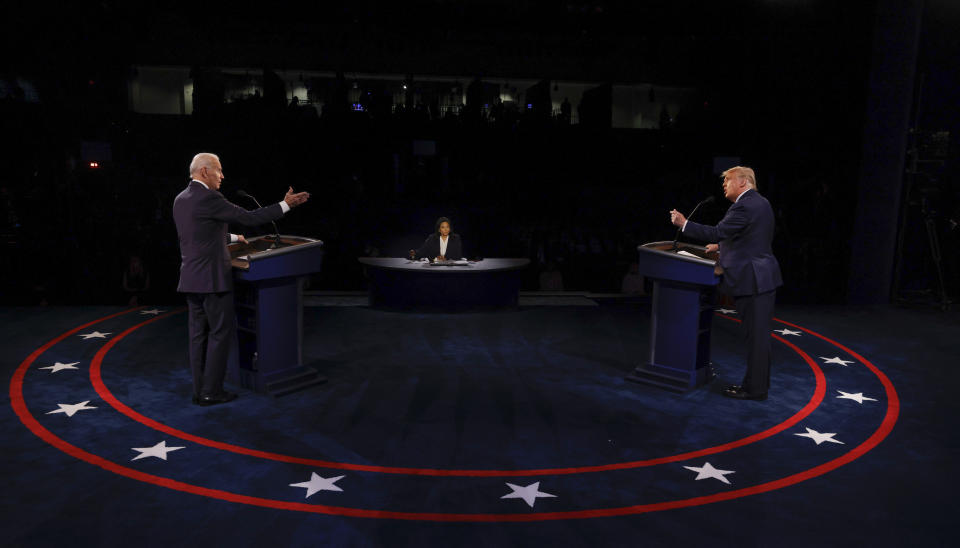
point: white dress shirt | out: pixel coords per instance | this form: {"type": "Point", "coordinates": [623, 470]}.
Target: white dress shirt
{"type": "Point", "coordinates": [443, 245]}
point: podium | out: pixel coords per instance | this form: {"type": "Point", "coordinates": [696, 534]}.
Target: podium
{"type": "Point", "coordinates": [684, 289]}
{"type": "Point", "coordinates": [268, 290]}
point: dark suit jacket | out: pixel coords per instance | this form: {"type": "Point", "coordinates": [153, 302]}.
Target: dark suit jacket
{"type": "Point", "coordinates": [745, 235]}
{"type": "Point", "coordinates": [201, 216]}
{"type": "Point", "coordinates": [431, 247]}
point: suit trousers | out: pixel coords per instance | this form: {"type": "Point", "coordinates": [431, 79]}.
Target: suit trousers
{"type": "Point", "coordinates": [212, 325]}
{"type": "Point", "coordinates": [756, 314]}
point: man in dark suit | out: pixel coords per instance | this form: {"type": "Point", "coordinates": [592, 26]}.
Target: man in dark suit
{"type": "Point", "coordinates": [201, 214]}
{"type": "Point", "coordinates": [443, 244]}
{"type": "Point", "coordinates": [751, 274]}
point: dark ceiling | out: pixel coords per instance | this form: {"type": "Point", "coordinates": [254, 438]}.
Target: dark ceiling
{"type": "Point", "coordinates": [676, 42]}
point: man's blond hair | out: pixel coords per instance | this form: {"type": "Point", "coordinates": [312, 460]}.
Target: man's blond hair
{"type": "Point", "coordinates": [745, 172]}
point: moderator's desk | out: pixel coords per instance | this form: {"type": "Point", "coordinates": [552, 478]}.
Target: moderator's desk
{"type": "Point", "coordinates": [402, 283]}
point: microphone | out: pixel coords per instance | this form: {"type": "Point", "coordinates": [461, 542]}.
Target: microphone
{"type": "Point", "coordinates": [276, 231]}
{"type": "Point", "coordinates": [676, 238]}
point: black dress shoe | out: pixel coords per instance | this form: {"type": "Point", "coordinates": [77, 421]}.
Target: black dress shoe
{"type": "Point", "coordinates": [195, 399]}
{"type": "Point", "coordinates": [214, 399]}
{"type": "Point", "coordinates": [739, 393]}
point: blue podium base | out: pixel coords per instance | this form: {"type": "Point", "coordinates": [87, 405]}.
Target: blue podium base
{"type": "Point", "coordinates": [672, 379]}
{"type": "Point", "coordinates": [281, 382]}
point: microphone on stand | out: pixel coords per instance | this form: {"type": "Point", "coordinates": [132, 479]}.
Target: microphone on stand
{"type": "Point", "coordinates": [276, 238]}
{"type": "Point", "coordinates": [676, 238]}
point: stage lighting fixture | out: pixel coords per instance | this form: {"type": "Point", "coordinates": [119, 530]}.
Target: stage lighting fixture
{"type": "Point", "coordinates": [94, 165]}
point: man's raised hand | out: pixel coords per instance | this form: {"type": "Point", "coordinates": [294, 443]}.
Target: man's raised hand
{"type": "Point", "coordinates": [294, 200]}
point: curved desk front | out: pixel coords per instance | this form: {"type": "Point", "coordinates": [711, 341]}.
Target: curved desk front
{"type": "Point", "coordinates": [402, 283]}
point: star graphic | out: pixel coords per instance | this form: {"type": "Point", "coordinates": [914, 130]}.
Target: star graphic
{"type": "Point", "coordinates": [708, 471]}
{"type": "Point", "coordinates": [786, 332]}
{"type": "Point", "coordinates": [71, 409]}
{"type": "Point", "coordinates": [726, 311]}
{"type": "Point", "coordinates": [858, 397]}
{"type": "Point", "coordinates": [836, 360]}
{"type": "Point", "coordinates": [818, 437]}
{"type": "Point", "coordinates": [159, 450]}
{"type": "Point", "coordinates": [153, 311]}
{"type": "Point", "coordinates": [94, 335]}
{"type": "Point", "coordinates": [61, 366]}
{"type": "Point", "coordinates": [529, 494]}
{"type": "Point", "coordinates": [318, 483]}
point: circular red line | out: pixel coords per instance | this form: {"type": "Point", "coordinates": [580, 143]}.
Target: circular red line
{"type": "Point", "coordinates": [893, 401]}
{"type": "Point", "coordinates": [890, 418]}
{"type": "Point", "coordinates": [97, 380]}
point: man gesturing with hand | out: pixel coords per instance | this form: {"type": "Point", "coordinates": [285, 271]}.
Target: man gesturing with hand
{"type": "Point", "coordinates": [751, 274]}
{"type": "Point", "coordinates": [202, 214]}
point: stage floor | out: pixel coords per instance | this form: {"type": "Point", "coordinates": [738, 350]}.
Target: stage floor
{"type": "Point", "coordinates": [508, 428]}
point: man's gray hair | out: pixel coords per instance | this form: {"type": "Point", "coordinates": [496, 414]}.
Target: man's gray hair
{"type": "Point", "coordinates": [202, 160]}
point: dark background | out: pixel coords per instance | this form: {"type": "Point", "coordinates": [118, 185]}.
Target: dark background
{"type": "Point", "coordinates": [789, 86]}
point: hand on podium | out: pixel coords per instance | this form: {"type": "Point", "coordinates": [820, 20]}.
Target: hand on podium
{"type": "Point", "coordinates": [713, 248]}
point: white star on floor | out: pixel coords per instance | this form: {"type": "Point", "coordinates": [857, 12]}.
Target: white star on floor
{"type": "Point", "coordinates": [786, 331]}
{"type": "Point", "coordinates": [71, 409]}
{"type": "Point", "coordinates": [159, 450]}
{"type": "Point", "coordinates": [529, 494]}
{"type": "Point", "coordinates": [818, 437]}
{"type": "Point", "coordinates": [94, 335]}
{"type": "Point", "coordinates": [858, 397]}
{"type": "Point", "coordinates": [708, 471]}
{"type": "Point", "coordinates": [726, 311]}
{"type": "Point", "coordinates": [153, 311]}
{"type": "Point", "coordinates": [61, 366]}
{"type": "Point", "coordinates": [836, 360]}
{"type": "Point", "coordinates": [318, 483]}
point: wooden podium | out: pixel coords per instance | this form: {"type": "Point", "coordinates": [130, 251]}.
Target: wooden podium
{"type": "Point", "coordinates": [268, 290]}
{"type": "Point", "coordinates": [684, 289]}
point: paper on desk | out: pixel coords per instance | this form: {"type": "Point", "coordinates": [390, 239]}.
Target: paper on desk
{"type": "Point", "coordinates": [688, 254]}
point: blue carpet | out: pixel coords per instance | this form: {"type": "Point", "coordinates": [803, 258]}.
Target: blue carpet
{"type": "Point", "coordinates": [429, 417]}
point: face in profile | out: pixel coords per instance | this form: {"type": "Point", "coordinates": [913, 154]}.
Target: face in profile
{"type": "Point", "coordinates": [732, 187]}
{"type": "Point", "coordinates": [444, 229]}
{"type": "Point", "coordinates": [212, 175]}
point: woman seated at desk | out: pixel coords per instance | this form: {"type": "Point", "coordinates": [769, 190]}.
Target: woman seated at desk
{"type": "Point", "coordinates": [442, 245]}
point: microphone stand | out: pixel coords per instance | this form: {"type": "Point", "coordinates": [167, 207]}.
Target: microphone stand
{"type": "Point", "coordinates": [676, 238]}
